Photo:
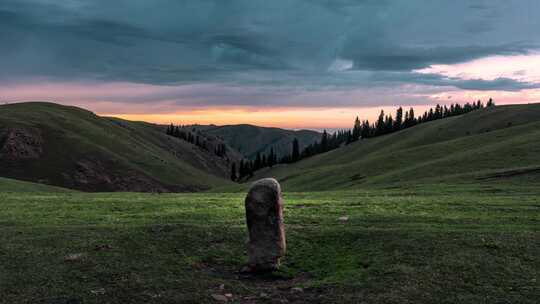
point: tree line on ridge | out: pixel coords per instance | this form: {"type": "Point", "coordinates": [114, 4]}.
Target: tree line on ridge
{"type": "Point", "coordinates": [362, 129]}
{"type": "Point", "coordinates": [385, 124]}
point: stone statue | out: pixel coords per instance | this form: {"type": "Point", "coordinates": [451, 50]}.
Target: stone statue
{"type": "Point", "coordinates": [264, 215]}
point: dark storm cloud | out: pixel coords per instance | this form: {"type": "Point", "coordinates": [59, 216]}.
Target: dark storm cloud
{"type": "Point", "coordinates": [501, 83]}
{"type": "Point", "coordinates": [275, 43]}
{"type": "Point", "coordinates": [394, 58]}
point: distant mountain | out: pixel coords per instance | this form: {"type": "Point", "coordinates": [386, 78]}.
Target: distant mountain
{"type": "Point", "coordinates": [74, 148]}
{"type": "Point", "coordinates": [497, 144]}
{"type": "Point", "coordinates": [249, 139]}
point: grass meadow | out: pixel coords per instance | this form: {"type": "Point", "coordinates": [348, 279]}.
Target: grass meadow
{"type": "Point", "coordinates": [429, 244]}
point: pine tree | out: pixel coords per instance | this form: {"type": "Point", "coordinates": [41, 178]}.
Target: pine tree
{"type": "Point", "coordinates": [398, 122]}
{"type": "Point", "coordinates": [251, 168]}
{"type": "Point", "coordinates": [271, 158]}
{"type": "Point", "coordinates": [479, 104]}
{"type": "Point", "coordinates": [357, 129]}
{"type": "Point", "coordinates": [349, 138]}
{"type": "Point", "coordinates": [467, 108]}
{"type": "Point", "coordinates": [408, 120]}
{"type": "Point", "coordinates": [379, 125]}
{"type": "Point", "coordinates": [170, 129]}
{"type": "Point", "coordinates": [324, 142]}
{"type": "Point", "coordinates": [242, 170]}
{"type": "Point", "coordinates": [438, 112]}
{"type": "Point", "coordinates": [366, 129]}
{"type": "Point", "coordinates": [221, 149]}
{"type": "Point", "coordinates": [258, 161]}
{"type": "Point", "coordinates": [234, 177]}
{"type": "Point", "coordinates": [430, 115]}
{"type": "Point", "coordinates": [388, 124]}
{"type": "Point", "coordinates": [295, 150]}
{"type": "Point", "coordinates": [490, 103]}
{"type": "Point", "coordinates": [349, 135]}
{"type": "Point", "coordinates": [412, 117]}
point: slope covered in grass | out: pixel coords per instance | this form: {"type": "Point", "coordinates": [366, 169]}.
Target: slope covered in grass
{"type": "Point", "coordinates": [16, 186]}
{"type": "Point", "coordinates": [495, 144]}
{"type": "Point", "coordinates": [74, 148]}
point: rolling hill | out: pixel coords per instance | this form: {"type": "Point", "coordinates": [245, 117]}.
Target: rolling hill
{"type": "Point", "coordinates": [490, 145]}
{"type": "Point", "coordinates": [74, 148]}
{"type": "Point", "coordinates": [250, 140]}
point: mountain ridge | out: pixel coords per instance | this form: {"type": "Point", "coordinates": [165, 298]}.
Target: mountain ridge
{"type": "Point", "coordinates": [71, 147]}
{"type": "Point", "coordinates": [250, 139]}
{"type": "Point", "coordinates": [464, 148]}
{"type": "Point", "coordinates": [111, 154]}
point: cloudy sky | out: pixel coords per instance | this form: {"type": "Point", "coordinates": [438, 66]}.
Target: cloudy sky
{"type": "Point", "coordinates": [289, 63]}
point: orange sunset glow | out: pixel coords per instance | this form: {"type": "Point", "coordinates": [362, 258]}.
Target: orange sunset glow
{"type": "Point", "coordinates": [317, 119]}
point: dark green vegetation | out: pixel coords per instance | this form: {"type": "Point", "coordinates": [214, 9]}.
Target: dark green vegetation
{"type": "Point", "coordinates": [493, 145]}
{"type": "Point", "coordinates": [250, 140]}
{"type": "Point", "coordinates": [74, 148]}
{"type": "Point", "coordinates": [438, 244]}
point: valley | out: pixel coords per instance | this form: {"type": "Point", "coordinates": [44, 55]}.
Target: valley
{"type": "Point", "coordinates": [443, 212]}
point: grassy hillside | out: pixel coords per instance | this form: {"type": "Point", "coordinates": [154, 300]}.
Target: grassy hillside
{"type": "Point", "coordinates": [74, 148]}
{"type": "Point", "coordinates": [467, 245]}
{"type": "Point", "coordinates": [500, 144]}
{"type": "Point", "coordinates": [249, 139]}
{"type": "Point", "coordinates": [16, 186]}
{"type": "Point", "coordinates": [467, 232]}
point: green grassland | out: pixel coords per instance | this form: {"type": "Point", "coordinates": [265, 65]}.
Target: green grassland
{"type": "Point", "coordinates": [437, 244]}
{"type": "Point", "coordinates": [444, 212]}
{"type": "Point", "coordinates": [17, 186]}
{"type": "Point", "coordinates": [493, 145]}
